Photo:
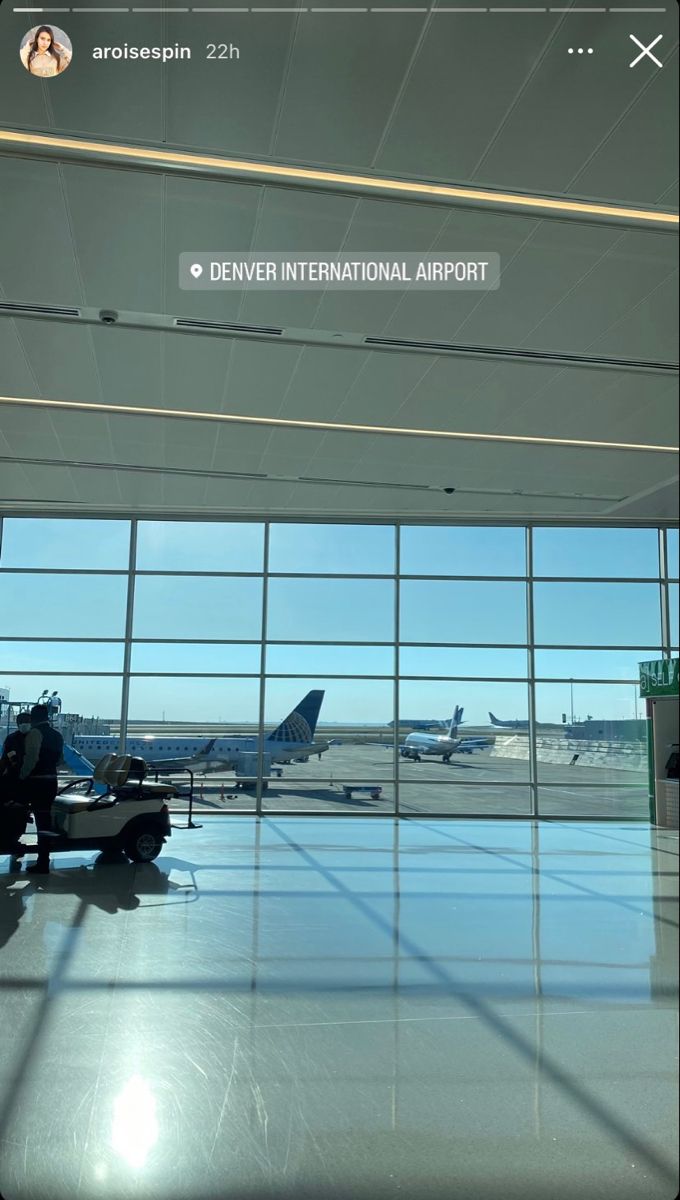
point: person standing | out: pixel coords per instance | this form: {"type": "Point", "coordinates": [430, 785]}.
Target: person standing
{"type": "Point", "coordinates": [13, 810]}
{"type": "Point", "coordinates": [43, 751]}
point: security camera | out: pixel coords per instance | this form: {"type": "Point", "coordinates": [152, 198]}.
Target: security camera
{"type": "Point", "coordinates": [108, 317]}
{"type": "Point", "coordinates": [449, 491]}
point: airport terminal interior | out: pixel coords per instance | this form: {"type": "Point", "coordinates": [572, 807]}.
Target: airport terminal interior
{"type": "Point", "coordinates": [355, 608]}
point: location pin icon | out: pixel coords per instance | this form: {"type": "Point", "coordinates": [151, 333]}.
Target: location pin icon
{"type": "Point", "coordinates": [196, 270]}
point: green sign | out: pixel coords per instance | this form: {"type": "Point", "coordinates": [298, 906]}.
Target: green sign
{"type": "Point", "coordinates": [660, 678]}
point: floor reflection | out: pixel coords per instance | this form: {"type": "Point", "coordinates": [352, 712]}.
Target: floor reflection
{"type": "Point", "coordinates": [349, 1008]}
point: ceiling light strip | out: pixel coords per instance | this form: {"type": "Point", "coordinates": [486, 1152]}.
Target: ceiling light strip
{"type": "Point", "coordinates": [134, 410]}
{"type": "Point", "coordinates": [314, 177]}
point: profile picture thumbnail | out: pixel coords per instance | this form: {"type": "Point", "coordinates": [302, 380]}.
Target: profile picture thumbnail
{"type": "Point", "coordinates": [46, 51]}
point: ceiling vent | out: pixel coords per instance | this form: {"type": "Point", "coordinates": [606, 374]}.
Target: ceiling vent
{"type": "Point", "coordinates": [186, 323]}
{"type": "Point", "coordinates": [411, 487]}
{"type": "Point", "coordinates": [41, 310]}
{"type": "Point", "coordinates": [525, 355]}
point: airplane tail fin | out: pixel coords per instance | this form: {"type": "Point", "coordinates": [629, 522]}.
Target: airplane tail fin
{"type": "Point", "coordinates": [300, 724]}
{"type": "Point", "coordinates": [494, 720]}
{"type": "Point", "coordinates": [455, 720]}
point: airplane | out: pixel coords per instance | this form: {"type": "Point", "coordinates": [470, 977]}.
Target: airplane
{"type": "Point", "coordinates": [508, 724]}
{"type": "Point", "coordinates": [420, 724]}
{"type": "Point", "coordinates": [291, 741]}
{"type": "Point", "coordinates": [418, 744]}
{"type": "Point", "coordinates": [513, 724]}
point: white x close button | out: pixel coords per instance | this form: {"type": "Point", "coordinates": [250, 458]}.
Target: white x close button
{"type": "Point", "coordinates": [646, 50]}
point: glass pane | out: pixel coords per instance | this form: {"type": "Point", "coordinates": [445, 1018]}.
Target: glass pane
{"type": "Point", "coordinates": [200, 546]}
{"type": "Point", "coordinates": [88, 702]}
{"type": "Point", "coordinates": [356, 797]}
{"type": "Point", "coordinates": [478, 701]}
{"type": "Point", "coordinates": [176, 607]}
{"type": "Point", "coordinates": [332, 549]}
{"type": "Point", "coordinates": [61, 656]}
{"type": "Point", "coordinates": [591, 614]}
{"type": "Point", "coordinates": [207, 720]}
{"type": "Point", "coordinates": [347, 739]}
{"type": "Point", "coordinates": [448, 799]}
{"type": "Point", "coordinates": [591, 735]}
{"type": "Point", "coordinates": [621, 553]}
{"type": "Point", "coordinates": [673, 553]}
{"type": "Point", "coordinates": [474, 550]}
{"type": "Point", "coordinates": [674, 614]}
{"type": "Point", "coordinates": [62, 605]}
{"type": "Point", "coordinates": [439, 611]}
{"type": "Point", "coordinates": [462, 661]}
{"type": "Point", "coordinates": [593, 664]}
{"type": "Point", "coordinates": [332, 660]}
{"type": "Point", "coordinates": [196, 657]}
{"type": "Point", "coordinates": [345, 705]}
{"type": "Point", "coordinates": [331, 610]}
{"type": "Point", "coordinates": [51, 542]}
{"type": "Point", "coordinates": [595, 803]}
{"type": "Point", "coordinates": [216, 792]}
{"type": "Point", "coordinates": [193, 706]}
{"type": "Point", "coordinates": [593, 710]}
{"type": "Point", "coordinates": [474, 748]}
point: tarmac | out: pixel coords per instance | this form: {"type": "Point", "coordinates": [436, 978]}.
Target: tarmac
{"type": "Point", "coordinates": [476, 784]}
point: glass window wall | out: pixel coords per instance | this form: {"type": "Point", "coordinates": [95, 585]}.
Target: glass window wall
{"type": "Point", "coordinates": [396, 675]}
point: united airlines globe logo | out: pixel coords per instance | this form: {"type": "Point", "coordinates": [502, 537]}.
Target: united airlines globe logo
{"type": "Point", "coordinates": [294, 729]}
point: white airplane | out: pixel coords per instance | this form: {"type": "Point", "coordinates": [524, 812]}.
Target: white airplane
{"type": "Point", "coordinates": [443, 746]}
{"type": "Point", "coordinates": [291, 741]}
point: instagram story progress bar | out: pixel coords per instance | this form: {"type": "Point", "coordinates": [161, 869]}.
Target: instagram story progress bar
{"type": "Point", "coordinates": [394, 10]}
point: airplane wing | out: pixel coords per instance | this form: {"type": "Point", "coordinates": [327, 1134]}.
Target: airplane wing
{"type": "Point", "coordinates": [195, 762]}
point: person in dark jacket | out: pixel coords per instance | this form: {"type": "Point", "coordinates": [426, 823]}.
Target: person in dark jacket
{"type": "Point", "coordinates": [13, 808]}
{"type": "Point", "coordinates": [13, 749]}
{"type": "Point", "coordinates": [43, 751]}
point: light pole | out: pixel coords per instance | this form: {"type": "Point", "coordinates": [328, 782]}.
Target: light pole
{"type": "Point", "coordinates": [571, 698]}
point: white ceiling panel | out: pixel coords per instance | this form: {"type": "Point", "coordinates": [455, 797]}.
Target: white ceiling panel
{"type": "Point", "coordinates": [195, 371]}
{"type": "Point", "coordinates": [568, 109]}
{"type": "Point", "coordinates": [117, 232]}
{"type": "Point", "coordinates": [258, 377]}
{"type": "Point", "coordinates": [62, 360]}
{"type": "Point", "coordinates": [37, 256]}
{"type": "Point", "coordinates": [654, 166]}
{"type": "Point", "coordinates": [16, 372]}
{"type": "Point", "coordinates": [129, 364]}
{"type": "Point", "coordinates": [201, 215]}
{"type": "Point", "coordinates": [336, 102]}
{"type": "Point", "coordinates": [228, 106]}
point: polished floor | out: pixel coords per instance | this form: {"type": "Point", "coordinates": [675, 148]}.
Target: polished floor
{"type": "Point", "coordinates": [338, 1007]}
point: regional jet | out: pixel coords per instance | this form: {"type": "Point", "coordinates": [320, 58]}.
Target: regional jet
{"type": "Point", "coordinates": [291, 741]}
{"type": "Point", "coordinates": [420, 723]}
{"type": "Point", "coordinates": [418, 744]}
{"type": "Point", "coordinates": [512, 724]}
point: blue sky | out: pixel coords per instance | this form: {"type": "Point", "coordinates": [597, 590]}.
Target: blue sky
{"type": "Point", "coordinates": [432, 610]}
